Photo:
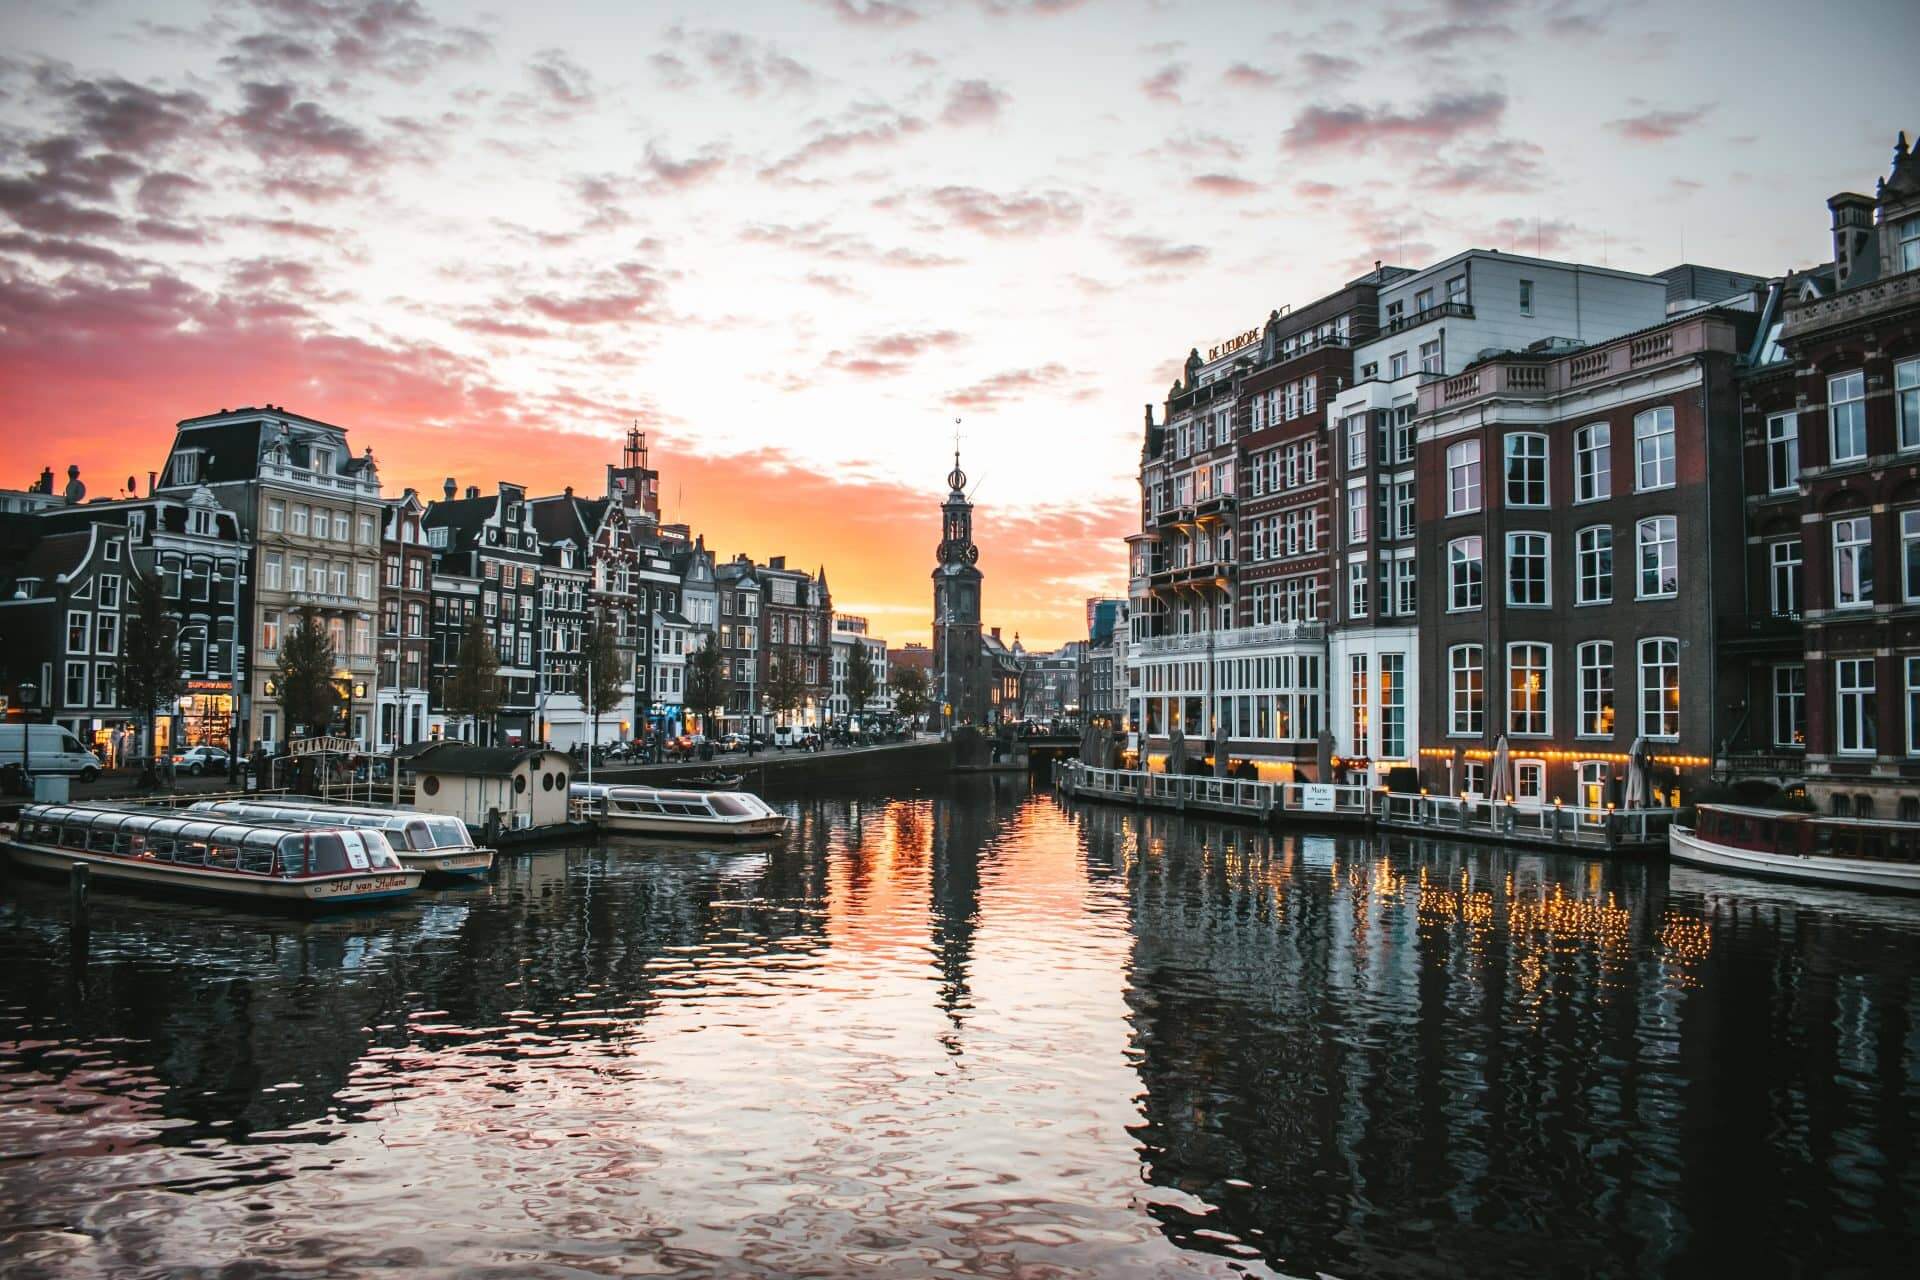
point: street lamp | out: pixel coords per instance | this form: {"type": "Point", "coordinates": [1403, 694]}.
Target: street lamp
{"type": "Point", "coordinates": [29, 699]}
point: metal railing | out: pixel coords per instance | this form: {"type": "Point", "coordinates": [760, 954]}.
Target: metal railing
{"type": "Point", "coordinates": [1534, 823]}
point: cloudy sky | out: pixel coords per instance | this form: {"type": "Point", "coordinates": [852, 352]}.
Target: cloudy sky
{"type": "Point", "coordinates": [797, 240]}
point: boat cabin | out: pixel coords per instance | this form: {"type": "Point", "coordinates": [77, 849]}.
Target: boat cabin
{"type": "Point", "coordinates": [147, 835]}
{"type": "Point", "coordinates": [417, 832]}
{"type": "Point", "coordinates": [1807, 835]}
{"type": "Point", "coordinates": [524, 787]}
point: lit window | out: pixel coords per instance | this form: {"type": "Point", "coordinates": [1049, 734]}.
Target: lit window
{"type": "Point", "coordinates": [1596, 689]}
{"type": "Point", "coordinates": [1790, 706]}
{"type": "Point", "coordinates": [1529, 700]}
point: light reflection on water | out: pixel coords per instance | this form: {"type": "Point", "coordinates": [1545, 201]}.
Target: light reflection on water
{"type": "Point", "coordinates": [977, 1032]}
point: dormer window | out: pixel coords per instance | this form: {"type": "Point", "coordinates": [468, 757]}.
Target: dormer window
{"type": "Point", "coordinates": [137, 525]}
{"type": "Point", "coordinates": [321, 461]}
{"type": "Point", "coordinates": [186, 466]}
{"type": "Point", "coordinates": [437, 536]}
{"type": "Point", "coordinates": [202, 522]}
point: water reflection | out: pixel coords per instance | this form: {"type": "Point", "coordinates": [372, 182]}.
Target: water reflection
{"type": "Point", "coordinates": [971, 1030]}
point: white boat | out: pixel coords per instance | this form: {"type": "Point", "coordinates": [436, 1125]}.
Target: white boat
{"type": "Point", "coordinates": [162, 852]}
{"type": "Point", "coordinates": [434, 843]}
{"type": "Point", "coordinates": [658, 812]}
{"type": "Point", "coordinates": [1857, 853]}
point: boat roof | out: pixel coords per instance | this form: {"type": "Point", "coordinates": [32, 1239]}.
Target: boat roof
{"type": "Point", "coordinates": [1824, 819]}
{"type": "Point", "coordinates": [1755, 811]}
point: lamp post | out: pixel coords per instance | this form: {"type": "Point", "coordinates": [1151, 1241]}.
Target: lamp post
{"type": "Point", "coordinates": [29, 699]}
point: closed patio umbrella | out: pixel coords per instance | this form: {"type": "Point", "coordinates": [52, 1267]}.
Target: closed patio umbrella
{"type": "Point", "coordinates": [1639, 762]}
{"type": "Point", "coordinates": [1221, 750]}
{"type": "Point", "coordinates": [1177, 751]}
{"type": "Point", "coordinates": [1500, 771]}
{"type": "Point", "coordinates": [1323, 757]}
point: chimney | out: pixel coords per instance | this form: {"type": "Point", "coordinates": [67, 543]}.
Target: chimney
{"type": "Point", "coordinates": [449, 489]}
{"type": "Point", "coordinates": [777, 562]}
{"type": "Point", "coordinates": [996, 635]}
{"type": "Point", "coordinates": [46, 481]}
{"type": "Point", "coordinates": [473, 491]}
{"type": "Point", "coordinates": [1854, 259]}
{"type": "Point", "coordinates": [152, 477]}
{"type": "Point", "coordinates": [569, 491]}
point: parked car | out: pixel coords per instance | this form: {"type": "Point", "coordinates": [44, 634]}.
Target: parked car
{"type": "Point", "coordinates": [50, 749]}
{"type": "Point", "coordinates": [195, 761]}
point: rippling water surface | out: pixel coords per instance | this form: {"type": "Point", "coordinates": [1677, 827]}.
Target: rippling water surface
{"type": "Point", "coordinates": [974, 1031]}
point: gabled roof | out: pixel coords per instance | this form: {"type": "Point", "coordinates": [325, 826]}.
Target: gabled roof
{"type": "Point", "coordinates": [466, 758]}
{"type": "Point", "coordinates": [462, 518]}
{"type": "Point", "coordinates": [231, 450]}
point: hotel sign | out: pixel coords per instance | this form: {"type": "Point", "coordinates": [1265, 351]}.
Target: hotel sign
{"type": "Point", "coordinates": [1232, 345]}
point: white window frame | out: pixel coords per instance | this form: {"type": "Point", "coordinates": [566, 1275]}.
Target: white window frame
{"type": "Point", "coordinates": [1466, 714]}
{"type": "Point", "coordinates": [1847, 402]}
{"type": "Point", "coordinates": [1847, 685]}
{"type": "Point", "coordinates": [1910, 555]}
{"type": "Point", "coordinates": [1515, 537]}
{"type": "Point", "coordinates": [1647, 538]}
{"type": "Point", "coordinates": [1464, 458]}
{"type": "Point", "coordinates": [1906, 401]}
{"type": "Point", "coordinates": [1654, 446]}
{"type": "Point", "coordinates": [1356, 588]}
{"type": "Point", "coordinates": [1546, 690]}
{"type": "Point", "coordinates": [1536, 768]}
{"type": "Point", "coordinates": [1785, 699]}
{"type": "Point", "coordinates": [1458, 562]}
{"type": "Point", "coordinates": [1653, 729]}
{"type": "Point", "coordinates": [1852, 541]}
{"type": "Point", "coordinates": [1518, 447]}
{"type": "Point", "coordinates": [1593, 462]}
{"type": "Point", "coordinates": [1792, 564]}
{"type": "Point", "coordinates": [1783, 452]}
{"type": "Point", "coordinates": [1911, 670]}
{"type": "Point", "coordinates": [1581, 552]}
{"type": "Point", "coordinates": [1594, 663]}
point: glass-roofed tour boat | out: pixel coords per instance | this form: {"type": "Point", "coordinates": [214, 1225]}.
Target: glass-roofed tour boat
{"type": "Point", "coordinates": [211, 856]}
{"type": "Point", "coordinates": [435, 843]}
{"type": "Point", "coordinates": [655, 811]}
{"type": "Point", "coordinates": [1858, 853]}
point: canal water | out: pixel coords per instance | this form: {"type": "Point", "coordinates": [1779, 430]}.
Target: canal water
{"type": "Point", "coordinates": [975, 1031]}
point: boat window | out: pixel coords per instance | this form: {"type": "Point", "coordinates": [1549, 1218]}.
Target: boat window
{"type": "Point", "coordinates": [160, 846]}
{"type": "Point", "coordinates": [293, 855]}
{"type": "Point", "coordinates": [226, 856]}
{"type": "Point", "coordinates": [328, 854]}
{"type": "Point", "coordinates": [731, 806]}
{"type": "Point", "coordinates": [380, 855]}
{"type": "Point", "coordinates": [74, 837]}
{"type": "Point", "coordinates": [418, 836]}
{"type": "Point", "coordinates": [191, 852]}
{"type": "Point", "coordinates": [100, 840]}
{"type": "Point", "coordinates": [448, 833]}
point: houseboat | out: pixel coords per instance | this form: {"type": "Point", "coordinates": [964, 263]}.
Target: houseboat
{"type": "Point", "coordinates": [433, 843]}
{"type": "Point", "coordinates": [653, 811]}
{"type": "Point", "coordinates": [1857, 853]}
{"type": "Point", "coordinates": [244, 864]}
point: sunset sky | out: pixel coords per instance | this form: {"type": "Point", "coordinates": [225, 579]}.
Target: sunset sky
{"type": "Point", "coordinates": [797, 240]}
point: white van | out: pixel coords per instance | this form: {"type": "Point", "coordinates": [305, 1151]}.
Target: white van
{"type": "Point", "coordinates": [54, 750]}
{"type": "Point", "coordinates": [789, 735]}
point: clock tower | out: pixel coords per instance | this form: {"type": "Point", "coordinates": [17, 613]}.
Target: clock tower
{"type": "Point", "coordinates": [957, 686]}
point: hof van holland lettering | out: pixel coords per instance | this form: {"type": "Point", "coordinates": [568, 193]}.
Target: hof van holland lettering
{"type": "Point", "coordinates": [1233, 344]}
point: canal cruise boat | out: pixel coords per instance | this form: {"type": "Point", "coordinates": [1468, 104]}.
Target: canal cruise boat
{"type": "Point", "coordinates": [652, 811]}
{"type": "Point", "coordinates": [1858, 853]}
{"type": "Point", "coordinates": [434, 843]}
{"type": "Point", "coordinates": [247, 864]}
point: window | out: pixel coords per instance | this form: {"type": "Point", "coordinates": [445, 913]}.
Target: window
{"type": "Point", "coordinates": [1653, 450]}
{"type": "Point", "coordinates": [1659, 558]}
{"type": "Point", "coordinates": [1357, 514]}
{"type": "Point", "coordinates": [363, 581]}
{"type": "Point", "coordinates": [111, 548]}
{"type": "Point", "coordinates": [270, 629]}
{"type": "Point", "coordinates": [1660, 688]}
{"type": "Point", "coordinates": [1403, 508]}
{"type": "Point", "coordinates": [1357, 703]}
{"type": "Point", "coordinates": [1430, 356]}
{"type": "Point", "coordinates": [1910, 553]}
{"type": "Point", "coordinates": [1906, 400]}
{"type": "Point", "coordinates": [339, 526]}
{"type": "Point", "coordinates": [1463, 477]}
{"type": "Point", "coordinates": [1393, 705]}
{"type": "Point", "coordinates": [276, 515]}
{"type": "Point", "coordinates": [107, 635]}
{"type": "Point", "coordinates": [1466, 571]}
{"type": "Point", "coordinates": [1908, 232]}
{"type": "Point", "coordinates": [1790, 705]}
{"type": "Point", "coordinates": [106, 688]}
{"type": "Point", "coordinates": [1466, 691]}
{"type": "Point", "coordinates": [1596, 689]}
{"type": "Point", "coordinates": [1397, 365]}
{"type": "Point", "coordinates": [1853, 685]}
{"type": "Point", "coordinates": [1852, 563]}
{"type": "Point", "coordinates": [1404, 587]}
{"type": "Point", "coordinates": [1783, 452]}
{"type": "Point", "coordinates": [1913, 706]}
{"type": "Point", "coordinates": [1357, 589]}
{"type": "Point", "coordinates": [1473, 777]}
{"type": "Point", "coordinates": [76, 689]}
{"type": "Point", "coordinates": [1593, 569]}
{"type": "Point", "coordinates": [1422, 301]}
{"type": "Point", "coordinates": [1527, 570]}
{"type": "Point", "coordinates": [79, 632]}
{"type": "Point", "coordinates": [1526, 470]}
{"type": "Point", "coordinates": [109, 591]}
{"type": "Point", "coordinates": [1847, 417]}
{"type": "Point", "coordinates": [1529, 705]}
{"type": "Point", "coordinates": [1785, 561]}
{"type": "Point", "coordinates": [1593, 463]}
{"type": "Point", "coordinates": [1357, 442]}
{"type": "Point", "coordinates": [1526, 297]}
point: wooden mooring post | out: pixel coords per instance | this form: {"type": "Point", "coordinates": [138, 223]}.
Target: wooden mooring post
{"type": "Point", "coordinates": [79, 877]}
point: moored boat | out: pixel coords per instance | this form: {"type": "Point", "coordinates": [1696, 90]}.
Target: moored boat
{"type": "Point", "coordinates": [1858, 853]}
{"type": "Point", "coordinates": [208, 856]}
{"type": "Point", "coordinates": [713, 780]}
{"type": "Point", "coordinates": [660, 811]}
{"type": "Point", "coordinates": [434, 843]}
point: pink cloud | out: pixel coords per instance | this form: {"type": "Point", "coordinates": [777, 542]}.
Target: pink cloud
{"type": "Point", "coordinates": [1658, 125]}
{"type": "Point", "coordinates": [1439, 119]}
